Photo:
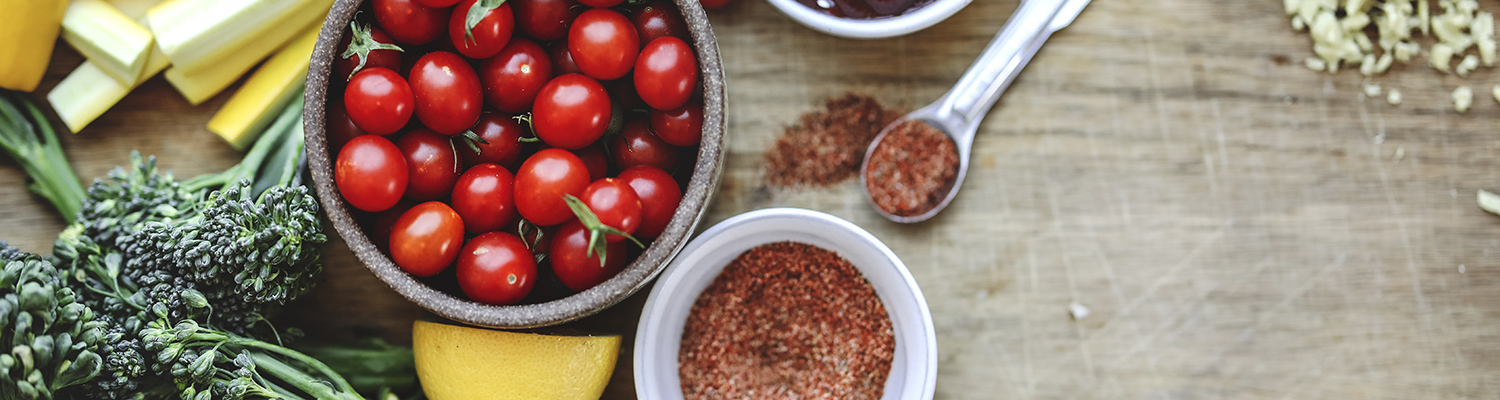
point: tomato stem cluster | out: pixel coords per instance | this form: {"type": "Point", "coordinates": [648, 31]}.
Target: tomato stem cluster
{"type": "Point", "coordinates": [596, 229]}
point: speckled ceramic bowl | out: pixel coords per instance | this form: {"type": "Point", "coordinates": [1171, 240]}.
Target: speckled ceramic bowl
{"type": "Point", "coordinates": [653, 259]}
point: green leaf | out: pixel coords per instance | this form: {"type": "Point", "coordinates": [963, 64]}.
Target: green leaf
{"type": "Point", "coordinates": [476, 13]}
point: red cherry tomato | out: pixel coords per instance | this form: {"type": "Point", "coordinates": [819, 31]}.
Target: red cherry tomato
{"type": "Point", "coordinates": [411, 22]}
{"type": "Point", "coordinates": [513, 77]}
{"type": "Point", "coordinates": [431, 163]}
{"type": "Point", "coordinates": [343, 68]}
{"type": "Point", "coordinates": [504, 136]}
{"type": "Point", "coordinates": [438, 3]}
{"type": "Point", "coordinates": [601, 3]}
{"type": "Point", "coordinates": [543, 180]}
{"type": "Point", "coordinates": [616, 205]}
{"type": "Point", "coordinates": [603, 43]}
{"type": "Point", "coordinates": [545, 20]}
{"type": "Point", "coordinates": [682, 126]}
{"type": "Point", "coordinates": [496, 268]}
{"type": "Point", "coordinates": [487, 36]}
{"type": "Point", "coordinates": [594, 158]}
{"type": "Point", "coordinates": [427, 238]}
{"type": "Point", "coordinates": [485, 197]}
{"type": "Point", "coordinates": [340, 128]}
{"type": "Point", "coordinates": [447, 92]}
{"type": "Point", "coordinates": [666, 73]}
{"type": "Point", "coordinates": [659, 196]}
{"type": "Point", "coordinates": [379, 101]}
{"type": "Point", "coordinates": [562, 60]}
{"type": "Point", "coordinates": [712, 4]}
{"type": "Point", "coordinates": [370, 173]}
{"type": "Point", "coordinates": [657, 19]}
{"type": "Point", "coordinates": [384, 222]}
{"type": "Point", "coordinates": [571, 260]}
{"type": "Point", "coordinates": [636, 145]}
{"type": "Point", "coordinates": [571, 111]}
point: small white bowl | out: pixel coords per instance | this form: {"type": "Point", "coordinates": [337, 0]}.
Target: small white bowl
{"type": "Point", "coordinates": [919, 19]}
{"type": "Point", "coordinates": [913, 374]}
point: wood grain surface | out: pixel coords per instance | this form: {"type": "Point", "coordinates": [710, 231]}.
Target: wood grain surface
{"type": "Point", "coordinates": [1241, 227]}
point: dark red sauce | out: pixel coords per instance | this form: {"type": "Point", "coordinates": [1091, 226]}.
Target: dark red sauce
{"type": "Point", "coordinates": [865, 9]}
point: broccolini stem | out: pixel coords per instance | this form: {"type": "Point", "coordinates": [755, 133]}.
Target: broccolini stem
{"type": "Point", "coordinates": [33, 144]}
{"type": "Point", "coordinates": [263, 147]}
{"type": "Point", "coordinates": [299, 379]}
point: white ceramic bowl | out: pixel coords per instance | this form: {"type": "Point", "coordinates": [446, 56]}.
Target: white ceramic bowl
{"type": "Point", "coordinates": [921, 18]}
{"type": "Point", "coordinates": [913, 374]}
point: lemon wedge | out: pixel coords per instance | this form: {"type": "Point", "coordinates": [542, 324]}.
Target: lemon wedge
{"type": "Point", "coordinates": [459, 362]}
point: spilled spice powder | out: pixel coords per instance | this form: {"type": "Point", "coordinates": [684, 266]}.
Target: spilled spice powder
{"type": "Point", "coordinates": [912, 169]}
{"type": "Point", "coordinates": [827, 147]}
{"type": "Point", "coordinates": [787, 320]}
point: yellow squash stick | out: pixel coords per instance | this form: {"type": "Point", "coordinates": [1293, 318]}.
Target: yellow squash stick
{"type": "Point", "coordinates": [108, 38]}
{"type": "Point", "coordinates": [27, 30]}
{"type": "Point", "coordinates": [200, 86]}
{"type": "Point", "coordinates": [88, 91]}
{"type": "Point", "coordinates": [264, 95]}
{"type": "Point", "coordinates": [198, 35]}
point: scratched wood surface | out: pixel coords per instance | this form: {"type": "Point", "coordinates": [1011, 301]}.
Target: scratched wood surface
{"type": "Point", "coordinates": [1239, 226]}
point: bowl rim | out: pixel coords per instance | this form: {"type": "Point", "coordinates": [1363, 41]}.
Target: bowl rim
{"type": "Point", "coordinates": [924, 17]}
{"type": "Point", "coordinates": [698, 194]}
{"type": "Point", "coordinates": [651, 330]}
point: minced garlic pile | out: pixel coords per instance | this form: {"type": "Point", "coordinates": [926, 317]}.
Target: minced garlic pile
{"type": "Point", "coordinates": [1342, 40]}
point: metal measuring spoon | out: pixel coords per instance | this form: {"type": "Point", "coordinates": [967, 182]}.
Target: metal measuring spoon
{"type": "Point", "coordinates": [957, 113]}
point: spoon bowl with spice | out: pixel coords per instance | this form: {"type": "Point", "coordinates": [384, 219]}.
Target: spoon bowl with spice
{"type": "Point", "coordinates": [914, 167]}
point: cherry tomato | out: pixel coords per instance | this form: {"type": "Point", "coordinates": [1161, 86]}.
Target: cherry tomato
{"type": "Point", "coordinates": [427, 238]}
{"type": "Point", "coordinates": [682, 126]}
{"type": "Point", "coordinates": [666, 73]}
{"type": "Point", "coordinates": [562, 60]}
{"type": "Point", "coordinates": [603, 43]}
{"type": "Point", "coordinates": [712, 4]}
{"type": "Point", "coordinates": [659, 196]}
{"type": "Point", "coordinates": [622, 93]}
{"type": "Point", "coordinates": [543, 180]}
{"type": "Point", "coordinates": [485, 197]}
{"type": "Point", "coordinates": [513, 77]}
{"type": "Point", "coordinates": [447, 92]}
{"type": "Point", "coordinates": [636, 145]}
{"type": "Point", "coordinates": [571, 111]}
{"type": "Point", "coordinates": [411, 22]}
{"type": "Point", "coordinates": [340, 128]}
{"type": "Point", "coordinates": [574, 267]}
{"type": "Point", "coordinates": [487, 36]}
{"type": "Point", "coordinates": [545, 20]}
{"type": "Point", "coordinates": [594, 158]}
{"type": "Point", "coordinates": [657, 19]}
{"type": "Point", "coordinates": [496, 268]}
{"type": "Point", "coordinates": [370, 38]}
{"type": "Point", "coordinates": [601, 3]}
{"type": "Point", "coordinates": [370, 173]}
{"type": "Point", "coordinates": [384, 222]}
{"type": "Point", "coordinates": [438, 3]}
{"type": "Point", "coordinates": [379, 101]}
{"type": "Point", "coordinates": [431, 162]}
{"type": "Point", "coordinates": [504, 136]}
{"type": "Point", "coordinates": [616, 205]}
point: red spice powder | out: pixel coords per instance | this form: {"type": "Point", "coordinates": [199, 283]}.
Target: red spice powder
{"type": "Point", "coordinates": [828, 146]}
{"type": "Point", "coordinates": [787, 321]}
{"type": "Point", "coordinates": [912, 169]}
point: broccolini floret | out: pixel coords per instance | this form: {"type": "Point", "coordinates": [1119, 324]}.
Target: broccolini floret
{"type": "Point", "coordinates": [53, 339]}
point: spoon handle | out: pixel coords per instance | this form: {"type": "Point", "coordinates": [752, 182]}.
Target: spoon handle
{"type": "Point", "coordinates": [981, 86]}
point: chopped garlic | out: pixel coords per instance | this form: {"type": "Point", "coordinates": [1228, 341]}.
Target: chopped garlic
{"type": "Point", "coordinates": [1393, 97]}
{"type": "Point", "coordinates": [1383, 63]}
{"type": "Point", "coordinates": [1463, 97]}
{"type": "Point", "coordinates": [1495, 92]}
{"type": "Point", "coordinates": [1483, 30]}
{"type": "Point", "coordinates": [1424, 16]}
{"type": "Point", "coordinates": [1469, 63]}
{"type": "Point", "coordinates": [1298, 24]}
{"type": "Point", "coordinates": [1315, 64]}
{"type": "Point", "coordinates": [1441, 56]}
{"type": "Point", "coordinates": [1373, 89]}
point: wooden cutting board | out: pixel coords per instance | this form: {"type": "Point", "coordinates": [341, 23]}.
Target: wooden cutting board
{"type": "Point", "coordinates": [1239, 226]}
